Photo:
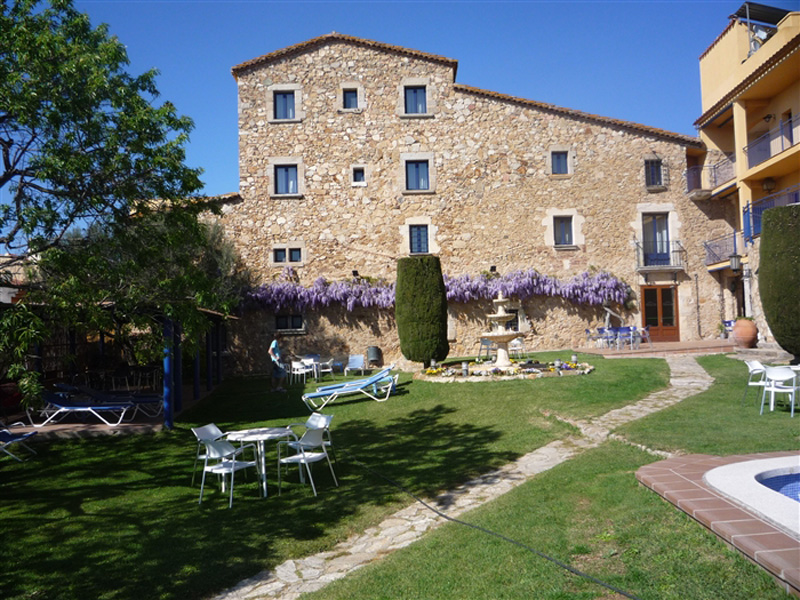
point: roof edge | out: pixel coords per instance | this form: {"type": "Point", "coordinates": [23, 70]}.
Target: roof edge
{"type": "Point", "coordinates": [638, 127]}
{"type": "Point", "coordinates": [340, 37]}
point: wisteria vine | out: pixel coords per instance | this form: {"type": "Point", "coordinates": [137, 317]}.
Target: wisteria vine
{"type": "Point", "coordinates": [587, 288]}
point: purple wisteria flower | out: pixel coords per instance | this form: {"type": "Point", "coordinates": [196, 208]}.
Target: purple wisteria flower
{"type": "Point", "coordinates": [287, 293]}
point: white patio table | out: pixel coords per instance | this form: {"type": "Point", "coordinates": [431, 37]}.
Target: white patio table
{"type": "Point", "coordinates": [260, 435]}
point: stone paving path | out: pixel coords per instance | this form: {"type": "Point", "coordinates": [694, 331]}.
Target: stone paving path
{"type": "Point", "coordinates": [295, 577]}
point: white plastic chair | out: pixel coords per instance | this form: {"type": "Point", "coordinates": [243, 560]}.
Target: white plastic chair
{"type": "Point", "coordinates": [316, 421]}
{"type": "Point", "coordinates": [516, 347]}
{"type": "Point", "coordinates": [311, 439]}
{"type": "Point", "coordinates": [755, 377]}
{"type": "Point", "coordinates": [206, 433]}
{"type": "Point", "coordinates": [228, 462]}
{"type": "Point", "coordinates": [301, 369]}
{"type": "Point", "coordinates": [355, 363]}
{"type": "Point", "coordinates": [780, 380]}
{"type": "Point", "coordinates": [325, 367]}
{"type": "Point", "coordinates": [489, 346]}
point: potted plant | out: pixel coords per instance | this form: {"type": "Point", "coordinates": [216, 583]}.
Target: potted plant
{"type": "Point", "coordinates": [723, 332]}
{"type": "Point", "coordinates": [745, 332]}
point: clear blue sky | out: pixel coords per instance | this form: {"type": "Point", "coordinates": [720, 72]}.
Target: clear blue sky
{"type": "Point", "coordinates": [636, 61]}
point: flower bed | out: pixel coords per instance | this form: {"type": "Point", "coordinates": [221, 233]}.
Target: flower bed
{"type": "Point", "coordinates": [486, 372]}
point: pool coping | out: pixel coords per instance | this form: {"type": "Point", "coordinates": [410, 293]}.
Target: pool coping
{"type": "Point", "coordinates": [680, 481]}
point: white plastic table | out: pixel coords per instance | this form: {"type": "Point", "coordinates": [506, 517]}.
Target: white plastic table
{"type": "Point", "coordinates": [259, 436]}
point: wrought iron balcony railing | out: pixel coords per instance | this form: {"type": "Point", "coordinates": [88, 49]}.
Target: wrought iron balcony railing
{"type": "Point", "coordinates": [712, 176]}
{"type": "Point", "coordinates": [660, 255]}
{"type": "Point", "coordinates": [772, 143]}
{"type": "Point", "coordinates": [720, 249]}
{"type": "Point", "coordinates": [754, 210]}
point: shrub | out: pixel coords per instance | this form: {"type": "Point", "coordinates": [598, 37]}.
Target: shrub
{"type": "Point", "coordinates": [779, 275]}
{"type": "Point", "coordinates": [421, 309]}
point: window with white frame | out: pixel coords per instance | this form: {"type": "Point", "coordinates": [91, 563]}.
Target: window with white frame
{"type": "Point", "coordinates": [560, 160]}
{"type": "Point", "coordinates": [562, 231]}
{"type": "Point", "coordinates": [285, 103]}
{"type": "Point", "coordinates": [415, 98]}
{"type": "Point", "coordinates": [418, 174]}
{"type": "Point", "coordinates": [287, 177]}
{"type": "Point", "coordinates": [351, 97]}
{"type": "Point", "coordinates": [418, 239]}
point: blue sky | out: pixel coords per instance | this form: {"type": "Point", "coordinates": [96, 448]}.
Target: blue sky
{"type": "Point", "coordinates": [636, 61]}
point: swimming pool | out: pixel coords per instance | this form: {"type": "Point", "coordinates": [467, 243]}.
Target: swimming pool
{"type": "Point", "coordinates": [744, 483]}
{"type": "Point", "coordinates": [788, 485]}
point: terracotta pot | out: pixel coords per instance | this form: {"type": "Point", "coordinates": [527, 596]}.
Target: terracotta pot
{"type": "Point", "coordinates": [745, 333]}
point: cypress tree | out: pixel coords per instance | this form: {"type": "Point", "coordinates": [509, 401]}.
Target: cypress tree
{"type": "Point", "coordinates": [779, 275]}
{"type": "Point", "coordinates": [421, 309]}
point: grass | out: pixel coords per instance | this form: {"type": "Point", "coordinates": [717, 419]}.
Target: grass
{"type": "Point", "coordinates": [115, 517]}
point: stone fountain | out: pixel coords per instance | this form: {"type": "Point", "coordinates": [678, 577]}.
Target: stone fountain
{"type": "Point", "coordinates": [499, 334]}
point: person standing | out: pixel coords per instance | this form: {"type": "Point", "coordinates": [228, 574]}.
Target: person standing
{"type": "Point", "coordinates": [278, 372]}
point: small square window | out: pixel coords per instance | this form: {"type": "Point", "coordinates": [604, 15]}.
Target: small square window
{"type": "Point", "coordinates": [560, 164]}
{"type": "Point", "coordinates": [285, 179]}
{"type": "Point", "coordinates": [295, 255]}
{"type": "Point", "coordinates": [417, 175]}
{"type": "Point", "coordinates": [349, 99]}
{"type": "Point", "coordinates": [359, 175]}
{"type": "Point", "coordinates": [284, 105]}
{"type": "Point", "coordinates": [415, 100]}
{"type": "Point", "coordinates": [562, 231]}
{"type": "Point", "coordinates": [279, 255]}
{"type": "Point", "coordinates": [653, 173]}
{"type": "Point", "coordinates": [288, 322]}
{"type": "Point", "coordinates": [418, 236]}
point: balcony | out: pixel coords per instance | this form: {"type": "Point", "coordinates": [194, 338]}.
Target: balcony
{"type": "Point", "coordinates": [660, 256]}
{"type": "Point", "coordinates": [754, 210]}
{"type": "Point", "coordinates": [772, 143]}
{"type": "Point", "coordinates": [719, 250]}
{"type": "Point", "coordinates": [702, 180]}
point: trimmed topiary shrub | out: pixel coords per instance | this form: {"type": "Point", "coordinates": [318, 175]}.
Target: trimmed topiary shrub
{"type": "Point", "coordinates": [420, 309]}
{"type": "Point", "coordinates": [779, 275]}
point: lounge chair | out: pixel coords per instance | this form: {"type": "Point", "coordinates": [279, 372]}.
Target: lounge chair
{"type": "Point", "coordinates": [151, 405]}
{"type": "Point", "coordinates": [59, 405]}
{"type": "Point", "coordinates": [7, 438]}
{"type": "Point", "coordinates": [378, 387]}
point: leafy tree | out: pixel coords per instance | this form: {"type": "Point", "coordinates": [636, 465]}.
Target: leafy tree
{"type": "Point", "coordinates": [421, 309]}
{"type": "Point", "coordinates": [81, 140]}
{"type": "Point", "coordinates": [779, 275]}
{"type": "Point", "coordinates": [85, 147]}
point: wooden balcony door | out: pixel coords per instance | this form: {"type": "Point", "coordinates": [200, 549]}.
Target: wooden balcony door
{"type": "Point", "coordinates": [660, 304]}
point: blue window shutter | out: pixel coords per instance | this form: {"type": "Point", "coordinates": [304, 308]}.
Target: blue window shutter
{"type": "Point", "coordinates": [415, 100]}
{"type": "Point", "coordinates": [284, 105]}
{"type": "Point", "coordinates": [286, 179]}
{"type": "Point", "coordinates": [418, 236]}
{"type": "Point", "coordinates": [560, 165]}
{"type": "Point", "coordinates": [417, 175]}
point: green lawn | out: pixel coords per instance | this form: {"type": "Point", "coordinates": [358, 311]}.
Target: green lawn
{"type": "Point", "coordinates": [116, 518]}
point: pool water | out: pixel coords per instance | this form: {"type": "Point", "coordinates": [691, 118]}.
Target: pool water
{"type": "Point", "coordinates": [788, 485]}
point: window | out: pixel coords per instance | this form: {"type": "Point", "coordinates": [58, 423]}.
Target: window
{"type": "Point", "coordinates": [655, 174]}
{"type": "Point", "coordinates": [417, 175]}
{"type": "Point", "coordinates": [418, 237]}
{"type": "Point", "coordinates": [562, 231]}
{"type": "Point", "coordinates": [289, 322]}
{"type": "Point", "coordinates": [359, 176]}
{"type": "Point", "coordinates": [293, 255]}
{"type": "Point", "coordinates": [285, 179]}
{"type": "Point", "coordinates": [279, 255]}
{"type": "Point", "coordinates": [349, 99]}
{"type": "Point", "coordinates": [560, 165]}
{"type": "Point", "coordinates": [416, 102]}
{"type": "Point", "coordinates": [284, 106]}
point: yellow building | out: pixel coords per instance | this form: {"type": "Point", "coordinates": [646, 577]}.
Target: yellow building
{"type": "Point", "coordinates": [750, 127]}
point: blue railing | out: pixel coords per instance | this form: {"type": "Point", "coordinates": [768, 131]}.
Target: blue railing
{"type": "Point", "coordinates": [712, 176]}
{"type": "Point", "coordinates": [773, 142]}
{"type": "Point", "coordinates": [720, 249]}
{"type": "Point", "coordinates": [754, 210]}
{"type": "Point", "coordinates": [660, 254]}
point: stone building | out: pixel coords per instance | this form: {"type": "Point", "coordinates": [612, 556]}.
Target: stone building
{"type": "Point", "coordinates": [750, 84]}
{"type": "Point", "coordinates": [354, 153]}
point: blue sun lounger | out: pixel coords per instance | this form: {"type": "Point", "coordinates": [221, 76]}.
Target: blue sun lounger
{"type": "Point", "coordinates": [378, 387]}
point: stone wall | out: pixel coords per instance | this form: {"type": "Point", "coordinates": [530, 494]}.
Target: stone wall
{"type": "Point", "coordinates": [494, 198]}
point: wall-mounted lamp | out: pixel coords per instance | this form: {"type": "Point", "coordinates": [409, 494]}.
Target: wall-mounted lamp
{"type": "Point", "coordinates": [768, 118]}
{"type": "Point", "coordinates": [746, 273]}
{"type": "Point", "coordinates": [493, 269]}
{"type": "Point", "coordinates": [768, 184]}
{"type": "Point", "coordinates": [355, 273]}
{"type": "Point", "coordinates": [674, 277]}
{"type": "Point", "coordinates": [736, 262]}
